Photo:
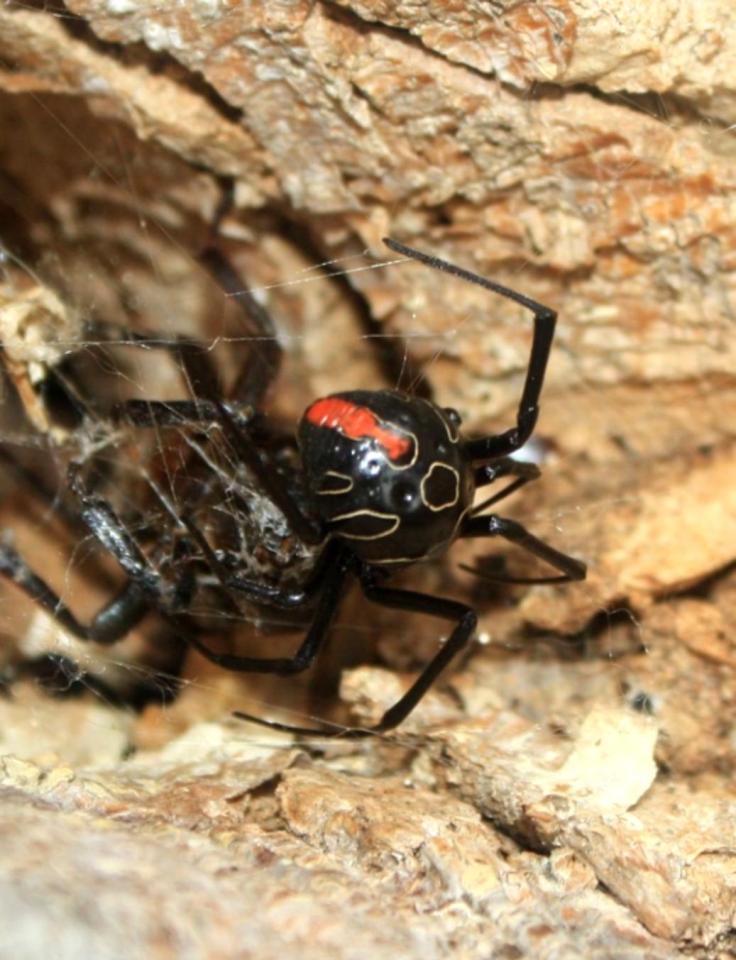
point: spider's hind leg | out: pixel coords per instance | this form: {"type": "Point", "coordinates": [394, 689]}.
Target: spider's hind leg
{"type": "Point", "coordinates": [145, 588]}
{"type": "Point", "coordinates": [115, 618]}
{"type": "Point", "coordinates": [113, 621]}
{"type": "Point", "coordinates": [263, 362]}
{"type": "Point", "coordinates": [142, 591]}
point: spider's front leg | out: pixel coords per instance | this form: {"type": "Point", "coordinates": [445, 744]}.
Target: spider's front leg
{"type": "Point", "coordinates": [491, 525]}
{"type": "Point", "coordinates": [545, 319]}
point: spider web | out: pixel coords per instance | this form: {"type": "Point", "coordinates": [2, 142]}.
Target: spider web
{"type": "Point", "coordinates": [122, 256]}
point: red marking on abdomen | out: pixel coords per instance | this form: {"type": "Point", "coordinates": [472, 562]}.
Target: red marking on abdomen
{"type": "Point", "coordinates": [356, 423]}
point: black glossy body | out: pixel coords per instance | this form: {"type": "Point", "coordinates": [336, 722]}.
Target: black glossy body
{"type": "Point", "coordinates": [396, 488]}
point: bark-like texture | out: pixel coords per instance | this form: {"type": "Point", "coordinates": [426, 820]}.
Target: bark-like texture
{"type": "Point", "coordinates": [581, 152]}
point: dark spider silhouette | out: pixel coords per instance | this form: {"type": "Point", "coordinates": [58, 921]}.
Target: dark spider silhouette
{"type": "Point", "coordinates": [384, 480]}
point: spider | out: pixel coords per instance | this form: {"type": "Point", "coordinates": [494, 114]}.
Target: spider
{"type": "Point", "coordinates": [382, 480]}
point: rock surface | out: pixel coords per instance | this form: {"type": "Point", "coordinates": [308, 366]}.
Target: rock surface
{"type": "Point", "coordinates": [568, 790]}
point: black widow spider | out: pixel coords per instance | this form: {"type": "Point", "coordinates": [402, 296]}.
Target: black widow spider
{"type": "Point", "coordinates": [386, 479]}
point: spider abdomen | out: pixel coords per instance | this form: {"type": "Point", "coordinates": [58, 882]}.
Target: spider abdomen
{"type": "Point", "coordinates": [385, 472]}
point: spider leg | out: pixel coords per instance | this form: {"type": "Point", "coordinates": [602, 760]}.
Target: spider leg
{"type": "Point", "coordinates": [505, 467]}
{"type": "Point", "coordinates": [146, 588]}
{"type": "Point", "coordinates": [254, 378]}
{"type": "Point", "coordinates": [112, 622]}
{"type": "Point", "coordinates": [465, 620]}
{"type": "Point", "coordinates": [491, 525]}
{"type": "Point", "coordinates": [165, 413]}
{"type": "Point", "coordinates": [100, 518]}
{"type": "Point", "coordinates": [116, 618]}
{"type": "Point", "coordinates": [264, 358]}
{"type": "Point", "coordinates": [333, 582]}
{"type": "Point", "coordinates": [488, 448]}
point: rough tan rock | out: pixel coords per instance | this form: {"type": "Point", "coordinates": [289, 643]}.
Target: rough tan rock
{"type": "Point", "coordinates": [578, 150]}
